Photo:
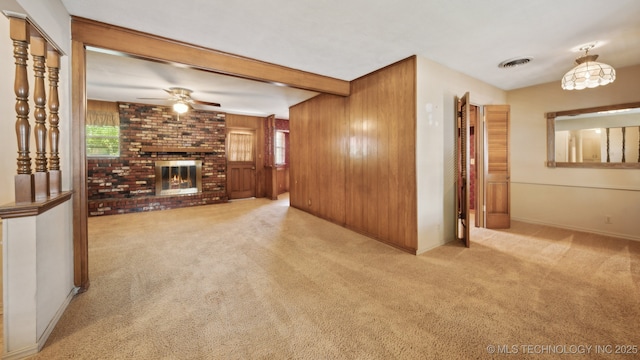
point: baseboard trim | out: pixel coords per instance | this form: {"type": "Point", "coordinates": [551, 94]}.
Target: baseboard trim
{"type": "Point", "coordinates": [576, 228]}
{"type": "Point", "coordinates": [52, 324]}
{"type": "Point", "coordinates": [35, 348]}
{"type": "Point", "coordinates": [431, 247]}
{"type": "Point", "coordinates": [22, 353]}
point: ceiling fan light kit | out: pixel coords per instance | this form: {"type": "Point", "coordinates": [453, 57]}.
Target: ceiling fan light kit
{"type": "Point", "coordinates": [588, 73]}
{"type": "Point", "coordinates": [180, 107]}
{"type": "Point", "coordinates": [182, 100]}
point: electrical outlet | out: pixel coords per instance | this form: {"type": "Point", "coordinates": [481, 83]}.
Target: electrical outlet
{"type": "Point", "coordinates": [607, 219]}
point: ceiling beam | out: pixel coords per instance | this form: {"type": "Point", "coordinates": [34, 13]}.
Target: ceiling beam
{"type": "Point", "coordinates": [153, 47]}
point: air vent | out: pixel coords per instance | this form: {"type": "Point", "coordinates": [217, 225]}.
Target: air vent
{"type": "Point", "coordinates": [515, 62]}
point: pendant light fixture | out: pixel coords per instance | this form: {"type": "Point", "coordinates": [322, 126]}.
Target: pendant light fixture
{"type": "Point", "coordinates": [589, 73]}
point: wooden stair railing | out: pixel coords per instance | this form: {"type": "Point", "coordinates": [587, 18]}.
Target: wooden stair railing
{"type": "Point", "coordinates": [38, 187]}
{"type": "Point", "coordinates": [19, 30]}
{"type": "Point", "coordinates": [41, 176]}
{"type": "Point", "coordinates": [55, 177]}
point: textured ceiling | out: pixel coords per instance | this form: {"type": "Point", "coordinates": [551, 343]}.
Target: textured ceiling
{"type": "Point", "coordinates": [348, 39]}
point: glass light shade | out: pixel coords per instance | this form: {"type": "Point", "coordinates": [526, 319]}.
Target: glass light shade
{"type": "Point", "coordinates": [180, 107]}
{"type": "Point", "coordinates": [589, 74]}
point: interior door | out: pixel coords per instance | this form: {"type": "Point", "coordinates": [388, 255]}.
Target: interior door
{"type": "Point", "coordinates": [477, 171]}
{"type": "Point", "coordinates": [497, 175]}
{"type": "Point", "coordinates": [462, 170]}
{"type": "Point", "coordinates": [241, 164]}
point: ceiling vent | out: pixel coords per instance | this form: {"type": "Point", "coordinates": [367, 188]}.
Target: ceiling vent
{"type": "Point", "coordinates": [515, 62]}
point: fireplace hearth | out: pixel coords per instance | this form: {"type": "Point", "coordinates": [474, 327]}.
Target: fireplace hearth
{"type": "Point", "coordinates": [178, 177]}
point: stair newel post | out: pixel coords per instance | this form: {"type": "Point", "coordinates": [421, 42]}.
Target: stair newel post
{"type": "Point", "coordinates": [41, 176]}
{"type": "Point", "coordinates": [24, 187]}
{"type": "Point", "coordinates": [55, 176]}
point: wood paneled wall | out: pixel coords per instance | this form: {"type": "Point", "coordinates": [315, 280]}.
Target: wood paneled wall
{"type": "Point", "coordinates": [319, 151]}
{"type": "Point", "coordinates": [255, 123]}
{"type": "Point", "coordinates": [282, 179]}
{"type": "Point", "coordinates": [353, 159]}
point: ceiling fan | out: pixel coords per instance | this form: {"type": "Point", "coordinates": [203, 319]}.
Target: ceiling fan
{"type": "Point", "coordinates": [182, 100]}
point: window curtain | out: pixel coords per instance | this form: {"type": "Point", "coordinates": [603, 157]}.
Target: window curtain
{"type": "Point", "coordinates": [280, 148]}
{"type": "Point", "coordinates": [240, 147]}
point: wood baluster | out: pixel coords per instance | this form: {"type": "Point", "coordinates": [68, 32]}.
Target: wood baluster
{"type": "Point", "coordinates": [624, 130]}
{"type": "Point", "coordinates": [55, 176]}
{"type": "Point", "coordinates": [24, 189]}
{"type": "Point", "coordinates": [41, 176]}
{"type": "Point", "coordinates": [639, 144]}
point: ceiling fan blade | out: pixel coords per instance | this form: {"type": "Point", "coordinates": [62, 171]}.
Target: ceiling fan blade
{"type": "Point", "coordinates": [205, 103]}
{"type": "Point", "coordinates": [145, 98]}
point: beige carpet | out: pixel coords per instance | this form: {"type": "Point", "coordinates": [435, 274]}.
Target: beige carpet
{"type": "Point", "coordinates": [256, 279]}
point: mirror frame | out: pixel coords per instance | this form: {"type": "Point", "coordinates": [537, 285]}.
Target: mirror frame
{"type": "Point", "coordinates": [551, 143]}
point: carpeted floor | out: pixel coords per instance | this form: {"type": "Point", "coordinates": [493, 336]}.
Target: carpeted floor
{"type": "Point", "coordinates": [257, 279]}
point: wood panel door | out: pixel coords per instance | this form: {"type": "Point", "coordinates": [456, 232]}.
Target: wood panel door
{"type": "Point", "coordinates": [241, 164]}
{"type": "Point", "coordinates": [463, 153]}
{"type": "Point", "coordinates": [497, 175]}
{"type": "Point", "coordinates": [478, 161]}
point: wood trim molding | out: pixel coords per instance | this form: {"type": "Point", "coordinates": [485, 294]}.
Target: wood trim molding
{"type": "Point", "coordinates": [79, 163]}
{"type": "Point", "coordinates": [620, 165]}
{"type": "Point", "coordinates": [551, 145]}
{"type": "Point", "coordinates": [169, 149]}
{"type": "Point", "coordinates": [593, 109]}
{"type": "Point", "coordinates": [158, 48]}
{"type": "Point", "coordinates": [11, 211]}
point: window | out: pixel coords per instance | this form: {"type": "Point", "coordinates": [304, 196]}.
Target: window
{"type": "Point", "coordinates": [281, 148]}
{"type": "Point", "coordinates": [103, 140]}
{"type": "Point", "coordinates": [102, 129]}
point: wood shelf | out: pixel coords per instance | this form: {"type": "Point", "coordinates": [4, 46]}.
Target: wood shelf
{"type": "Point", "coordinates": [12, 210]}
{"type": "Point", "coordinates": [176, 149]}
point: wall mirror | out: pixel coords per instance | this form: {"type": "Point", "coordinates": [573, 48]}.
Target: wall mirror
{"type": "Point", "coordinates": [599, 137]}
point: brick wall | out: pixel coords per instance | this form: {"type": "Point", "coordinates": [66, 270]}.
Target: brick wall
{"type": "Point", "coordinates": [127, 183]}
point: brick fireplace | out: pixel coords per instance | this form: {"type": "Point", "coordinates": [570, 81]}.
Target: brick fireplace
{"type": "Point", "coordinates": [150, 135]}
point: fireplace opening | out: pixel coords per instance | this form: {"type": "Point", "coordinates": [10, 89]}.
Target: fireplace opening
{"type": "Point", "coordinates": [178, 177]}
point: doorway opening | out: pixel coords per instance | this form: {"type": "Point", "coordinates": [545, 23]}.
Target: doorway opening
{"type": "Point", "coordinates": [482, 167]}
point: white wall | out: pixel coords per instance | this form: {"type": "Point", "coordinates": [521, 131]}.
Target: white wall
{"type": "Point", "coordinates": [435, 145]}
{"type": "Point", "coordinates": [567, 197]}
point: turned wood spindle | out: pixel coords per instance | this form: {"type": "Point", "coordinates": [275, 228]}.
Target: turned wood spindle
{"type": "Point", "coordinates": [24, 190]}
{"type": "Point", "coordinates": [55, 177]}
{"type": "Point", "coordinates": [41, 177]}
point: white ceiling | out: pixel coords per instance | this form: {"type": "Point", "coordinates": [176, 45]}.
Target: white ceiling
{"type": "Point", "coordinates": [348, 39]}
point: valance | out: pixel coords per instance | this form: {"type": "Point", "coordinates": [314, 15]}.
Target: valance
{"type": "Point", "coordinates": [102, 113]}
